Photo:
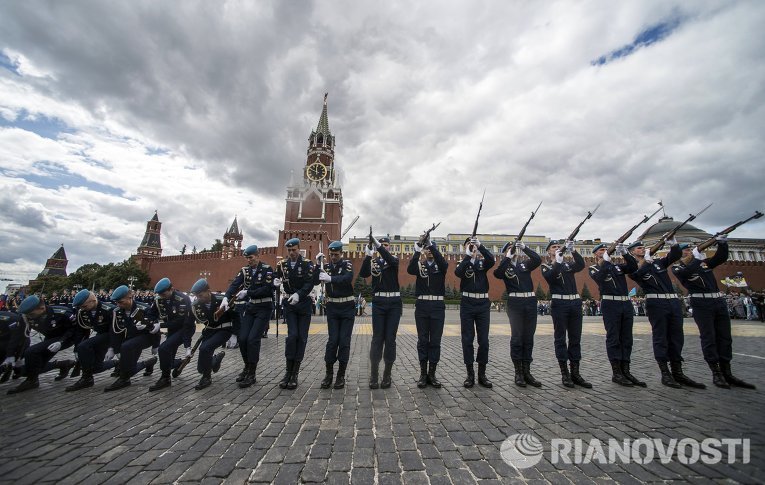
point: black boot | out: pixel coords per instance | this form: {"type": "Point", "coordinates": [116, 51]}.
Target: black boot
{"type": "Point", "coordinates": [422, 382]}
{"type": "Point", "coordinates": [6, 373]}
{"type": "Point", "coordinates": [374, 375]}
{"type": "Point", "coordinates": [326, 383]}
{"type": "Point", "coordinates": [386, 380]}
{"type": "Point", "coordinates": [527, 374]}
{"type": "Point", "coordinates": [626, 372]}
{"type": "Point", "coordinates": [205, 381]}
{"type": "Point", "coordinates": [116, 370]}
{"type": "Point", "coordinates": [149, 365]}
{"type": "Point", "coordinates": [85, 381]}
{"type": "Point", "coordinates": [564, 375]}
{"type": "Point", "coordinates": [666, 377]}
{"type": "Point", "coordinates": [63, 366]}
{"type": "Point", "coordinates": [577, 378]}
{"type": "Point", "coordinates": [340, 380]}
{"type": "Point", "coordinates": [287, 374]}
{"type": "Point", "coordinates": [249, 376]}
{"type": "Point", "coordinates": [293, 382]}
{"type": "Point", "coordinates": [718, 379]}
{"type": "Point", "coordinates": [470, 380]}
{"type": "Point", "coordinates": [618, 377]}
{"type": "Point", "coordinates": [519, 380]}
{"type": "Point", "coordinates": [733, 380]}
{"type": "Point", "coordinates": [217, 360]}
{"type": "Point", "coordinates": [76, 370]}
{"type": "Point", "coordinates": [681, 378]}
{"type": "Point", "coordinates": [122, 381]}
{"type": "Point", "coordinates": [240, 377]}
{"type": "Point", "coordinates": [432, 380]}
{"type": "Point", "coordinates": [27, 384]}
{"type": "Point", "coordinates": [482, 379]}
{"type": "Point", "coordinates": [162, 382]}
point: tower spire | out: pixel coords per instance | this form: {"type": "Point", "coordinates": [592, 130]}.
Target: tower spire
{"type": "Point", "coordinates": [323, 126]}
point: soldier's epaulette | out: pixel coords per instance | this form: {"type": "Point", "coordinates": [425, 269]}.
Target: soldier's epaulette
{"type": "Point", "coordinates": [594, 267]}
{"type": "Point", "coordinates": [178, 297]}
{"type": "Point", "coordinates": [546, 267]}
{"type": "Point", "coordinates": [135, 312]}
{"type": "Point", "coordinates": [266, 266]}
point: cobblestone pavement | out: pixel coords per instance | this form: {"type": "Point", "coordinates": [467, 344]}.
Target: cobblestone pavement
{"type": "Point", "coordinates": [399, 435]}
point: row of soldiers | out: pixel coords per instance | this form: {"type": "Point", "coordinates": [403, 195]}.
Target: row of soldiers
{"type": "Point", "coordinates": [242, 315]}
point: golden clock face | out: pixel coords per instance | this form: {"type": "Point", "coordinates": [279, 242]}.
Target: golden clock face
{"type": "Point", "coordinates": [317, 171]}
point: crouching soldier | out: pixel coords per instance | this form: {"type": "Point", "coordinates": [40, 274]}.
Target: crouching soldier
{"type": "Point", "coordinates": [90, 314]}
{"type": "Point", "coordinates": [221, 327]}
{"type": "Point", "coordinates": [171, 309]}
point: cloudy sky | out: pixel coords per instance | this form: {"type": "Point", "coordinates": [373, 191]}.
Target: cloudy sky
{"type": "Point", "coordinates": [200, 110]}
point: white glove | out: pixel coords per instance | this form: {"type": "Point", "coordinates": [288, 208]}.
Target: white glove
{"type": "Point", "coordinates": [620, 250]}
{"type": "Point", "coordinates": [224, 303]}
{"type": "Point", "coordinates": [325, 277]}
{"type": "Point", "coordinates": [376, 243]}
{"type": "Point", "coordinates": [648, 256]}
{"type": "Point", "coordinates": [154, 350]}
{"type": "Point", "coordinates": [697, 254]}
{"type": "Point", "coordinates": [369, 252]}
{"type": "Point", "coordinates": [558, 257]}
{"type": "Point", "coordinates": [475, 242]}
{"type": "Point", "coordinates": [54, 347]}
{"type": "Point", "coordinates": [319, 257]}
{"type": "Point", "coordinates": [672, 242]}
{"type": "Point", "coordinates": [241, 294]}
{"type": "Point", "coordinates": [570, 246]}
{"type": "Point", "coordinates": [109, 354]}
{"type": "Point", "coordinates": [509, 253]}
{"type": "Point", "coordinates": [417, 248]}
{"type": "Point", "coordinates": [193, 299]}
{"type": "Point", "coordinates": [156, 328]}
{"type": "Point", "coordinates": [8, 361]}
{"type": "Point", "coordinates": [520, 245]}
{"type": "Point", "coordinates": [139, 326]}
{"type": "Point", "coordinates": [606, 256]}
{"type": "Point", "coordinates": [277, 282]}
{"type": "Point", "coordinates": [722, 238]}
{"type": "Point", "coordinates": [188, 353]}
{"type": "Point", "coordinates": [231, 343]}
{"type": "Point", "coordinates": [294, 299]}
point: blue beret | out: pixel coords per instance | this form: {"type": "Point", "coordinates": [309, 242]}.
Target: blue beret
{"type": "Point", "coordinates": [335, 246]}
{"type": "Point", "coordinates": [506, 246]}
{"type": "Point", "coordinates": [80, 298]}
{"type": "Point", "coordinates": [200, 285]}
{"type": "Point", "coordinates": [599, 246]}
{"type": "Point", "coordinates": [559, 242]}
{"type": "Point", "coordinates": [250, 250]}
{"type": "Point", "coordinates": [384, 239]}
{"type": "Point", "coordinates": [634, 245]}
{"type": "Point", "coordinates": [684, 246]}
{"type": "Point", "coordinates": [30, 303]}
{"type": "Point", "coordinates": [292, 242]}
{"type": "Point", "coordinates": [119, 293]}
{"type": "Point", "coordinates": [162, 285]}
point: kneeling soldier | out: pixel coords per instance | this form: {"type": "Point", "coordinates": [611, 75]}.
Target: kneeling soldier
{"type": "Point", "coordinates": [220, 328]}
{"type": "Point", "coordinates": [172, 309]}
{"type": "Point", "coordinates": [93, 352]}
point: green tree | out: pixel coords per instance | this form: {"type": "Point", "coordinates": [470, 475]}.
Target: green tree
{"type": "Point", "coordinates": [109, 276]}
{"type": "Point", "coordinates": [48, 284]}
{"type": "Point", "coordinates": [586, 295]}
{"type": "Point", "coordinates": [360, 286]}
{"type": "Point", "coordinates": [217, 246]}
{"type": "Point", "coordinates": [540, 292]}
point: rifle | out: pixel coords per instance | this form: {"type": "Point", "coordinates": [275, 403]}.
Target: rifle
{"type": "Point", "coordinates": [523, 229]}
{"type": "Point", "coordinates": [669, 235]}
{"type": "Point", "coordinates": [475, 226]}
{"type": "Point", "coordinates": [576, 229]}
{"type": "Point", "coordinates": [184, 362]}
{"type": "Point", "coordinates": [426, 235]}
{"type": "Point", "coordinates": [371, 239]}
{"type": "Point", "coordinates": [629, 232]}
{"type": "Point", "coordinates": [727, 230]}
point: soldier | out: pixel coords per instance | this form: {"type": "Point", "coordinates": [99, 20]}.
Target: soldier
{"type": "Point", "coordinates": [59, 332]}
{"type": "Point", "coordinates": [710, 312]}
{"type": "Point", "coordinates": [299, 278]}
{"type": "Point", "coordinates": [475, 308]}
{"type": "Point", "coordinates": [129, 335]}
{"type": "Point", "coordinates": [565, 309]}
{"type": "Point", "coordinates": [254, 287]}
{"type": "Point", "coordinates": [515, 270]}
{"type": "Point", "coordinates": [429, 310]}
{"type": "Point", "coordinates": [386, 308]}
{"type": "Point", "coordinates": [338, 277]}
{"type": "Point", "coordinates": [92, 315]}
{"type": "Point", "coordinates": [10, 323]}
{"type": "Point", "coordinates": [171, 309]}
{"type": "Point", "coordinates": [617, 311]}
{"type": "Point", "coordinates": [664, 311]}
{"type": "Point", "coordinates": [221, 327]}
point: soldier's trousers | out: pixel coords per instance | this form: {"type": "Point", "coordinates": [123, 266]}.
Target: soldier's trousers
{"type": "Point", "coordinates": [618, 317]}
{"type": "Point", "coordinates": [340, 318]}
{"type": "Point", "coordinates": [712, 318]}
{"type": "Point", "coordinates": [666, 317]}
{"type": "Point", "coordinates": [37, 357]}
{"type": "Point", "coordinates": [254, 322]}
{"type": "Point", "coordinates": [298, 318]}
{"type": "Point", "coordinates": [168, 349]}
{"type": "Point", "coordinates": [210, 342]}
{"type": "Point", "coordinates": [130, 351]}
{"type": "Point", "coordinates": [567, 321]}
{"type": "Point", "coordinates": [91, 353]}
{"type": "Point", "coordinates": [522, 313]}
{"type": "Point", "coordinates": [429, 318]}
{"type": "Point", "coordinates": [386, 315]}
{"type": "Point", "coordinates": [474, 320]}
